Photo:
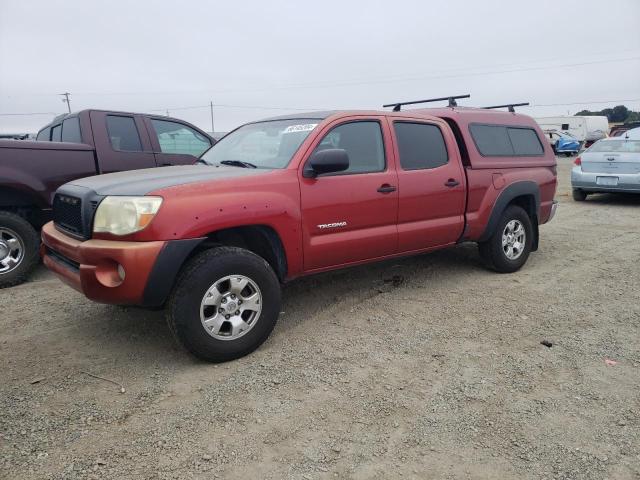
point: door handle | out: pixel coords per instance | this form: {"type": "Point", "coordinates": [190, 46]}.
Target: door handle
{"type": "Point", "coordinates": [386, 188]}
{"type": "Point", "coordinates": [452, 182]}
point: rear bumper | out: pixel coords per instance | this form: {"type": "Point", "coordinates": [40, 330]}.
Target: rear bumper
{"type": "Point", "coordinates": [627, 182]}
{"type": "Point", "coordinates": [554, 207]}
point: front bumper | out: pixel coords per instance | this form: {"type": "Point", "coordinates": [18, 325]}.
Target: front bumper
{"type": "Point", "coordinates": [91, 266]}
{"type": "Point", "coordinates": [627, 182]}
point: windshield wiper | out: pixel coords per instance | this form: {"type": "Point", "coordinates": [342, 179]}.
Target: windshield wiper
{"type": "Point", "coordinates": [202, 161]}
{"type": "Point", "coordinates": [237, 163]}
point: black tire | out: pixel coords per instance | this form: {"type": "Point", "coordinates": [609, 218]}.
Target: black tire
{"type": "Point", "coordinates": [30, 241]}
{"type": "Point", "coordinates": [492, 251]}
{"type": "Point", "coordinates": [579, 195]}
{"type": "Point", "coordinates": [198, 275]}
{"type": "Point", "coordinates": [568, 154]}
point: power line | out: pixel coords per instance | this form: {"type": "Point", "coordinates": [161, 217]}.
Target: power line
{"type": "Point", "coordinates": [218, 105]}
{"type": "Point", "coordinates": [388, 80]}
{"type": "Point", "coordinates": [582, 103]}
{"type": "Point", "coordinates": [310, 109]}
{"type": "Point", "coordinates": [26, 114]}
{"type": "Point", "coordinates": [385, 80]}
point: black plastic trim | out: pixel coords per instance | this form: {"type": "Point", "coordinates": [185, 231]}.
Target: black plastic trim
{"type": "Point", "coordinates": [505, 198]}
{"type": "Point", "coordinates": [64, 261]}
{"type": "Point", "coordinates": [90, 201]}
{"type": "Point", "coordinates": [165, 270]}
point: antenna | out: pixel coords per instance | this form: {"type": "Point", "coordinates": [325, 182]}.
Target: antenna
{"type": "Point", "coordinates": [452, 102]}
{"type": "Point", "coordinates": [509, 106]}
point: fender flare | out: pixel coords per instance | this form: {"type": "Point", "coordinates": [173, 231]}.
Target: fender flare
{"type": "Point", "coordinates": [511, 192]}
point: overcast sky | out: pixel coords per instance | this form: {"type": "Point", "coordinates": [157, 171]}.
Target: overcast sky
{"type": "Point", "coordinates": [256, 59]}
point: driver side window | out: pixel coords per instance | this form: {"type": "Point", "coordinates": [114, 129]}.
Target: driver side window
{"type": "Point", "coordinates": [363, 143]}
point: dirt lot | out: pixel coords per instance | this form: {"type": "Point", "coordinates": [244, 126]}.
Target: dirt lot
{"type": "Point", "coordinates": [427, 367]}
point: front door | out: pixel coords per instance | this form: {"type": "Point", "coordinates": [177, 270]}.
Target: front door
{"type": "Point", "coordinates": [432, 186]}
{"type": "Point", "coordinates": [351, 216]}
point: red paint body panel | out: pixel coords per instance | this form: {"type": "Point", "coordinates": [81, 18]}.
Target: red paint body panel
{"type": "Point", "coordinates": [430, 214]}
{"type": "Point", "coordinates": [97, 276]}
{"type": "Point", "coordinates": [334, 221]}
{"type": "Point", "coordinates": [370, 217]}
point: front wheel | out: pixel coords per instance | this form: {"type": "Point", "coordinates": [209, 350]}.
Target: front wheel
{"type": "Point", "coordinates": [19, 245]}
{"type": "Point", "coordinates": [225, 304]}
{"type": "Point", "coordinates": [507, 250]}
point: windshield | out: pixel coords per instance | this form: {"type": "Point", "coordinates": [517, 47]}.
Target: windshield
{"type": "Point", "coordinates": [269, 144]}
{"type": "Point", "coordinates": [616, 146]}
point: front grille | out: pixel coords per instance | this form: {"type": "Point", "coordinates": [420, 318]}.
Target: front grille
{"type": "Point", "coordinates": [67, 214]}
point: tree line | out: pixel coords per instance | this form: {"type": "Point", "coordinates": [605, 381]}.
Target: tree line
{"type": "Point", "coordinates": [619, 113]}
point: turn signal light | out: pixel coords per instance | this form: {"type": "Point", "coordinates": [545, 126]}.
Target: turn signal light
{"type": "Point", "coordinates": [577, 161]}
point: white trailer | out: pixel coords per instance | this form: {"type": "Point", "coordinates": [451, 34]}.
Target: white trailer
{"type": "Point", "coordinates": [584, 129]}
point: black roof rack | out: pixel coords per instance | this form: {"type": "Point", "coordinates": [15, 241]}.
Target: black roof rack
{"type": "Point", "coordinates": [509, 106]}
{"type": "Point", "coordinates": [452, 102]}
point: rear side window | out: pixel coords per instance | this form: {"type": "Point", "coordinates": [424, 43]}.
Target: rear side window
{"type": "Point", "coordinates": [43, 135]}
{"type": "Point", "coordinates": [363, 143]}
{"type": "Point", "coordinates": [123, 134]}
{"type": "Point", "coordinates": [71, 130]}
{"type": "Point", "coordinates": [56, 133]}
{"type": "Point", "coordinates": [503, 141]}
{"type": "Point", "coordinates": [421, 146]}
{"type": "Point", "coordinates": [525, 141]}
{"type": "Point", "coordinates": [178, 138]}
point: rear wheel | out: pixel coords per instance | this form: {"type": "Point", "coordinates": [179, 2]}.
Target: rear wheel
{"type": "Point", "coordinates": [507, 250]}
{"type": "Point", "coordinates": [225, 304]}
{"type": "Point", "coordinates": [579, 195]}
{"type": "Point", "coordinates": [19, 245]}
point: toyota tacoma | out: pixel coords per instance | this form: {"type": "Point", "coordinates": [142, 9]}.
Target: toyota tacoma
{"type": "Point", "coordinates": [295, 195]}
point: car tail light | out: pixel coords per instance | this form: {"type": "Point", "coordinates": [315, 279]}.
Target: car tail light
{"type": "Point", "coordinates": [578, 161]}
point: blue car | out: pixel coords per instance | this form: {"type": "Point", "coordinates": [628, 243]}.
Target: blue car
{"type": "Point", "coordinates": [563, 143]}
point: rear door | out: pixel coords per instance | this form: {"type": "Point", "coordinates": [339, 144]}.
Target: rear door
{"type": "Point", "coordinates": [121, 141]}
{"type": "Point", "coordinates": [431, 183]}
{"type": "Point", "coordinates": [351, 216]}
{"type": "Point", "coordinates": [176, 143]}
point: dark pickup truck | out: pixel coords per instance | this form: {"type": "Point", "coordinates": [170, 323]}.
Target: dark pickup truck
{"type": "Point", "coordinates": [73, 146]}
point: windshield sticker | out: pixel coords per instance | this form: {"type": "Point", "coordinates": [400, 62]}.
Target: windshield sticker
{"type": "Point", "coordinates": [300, 128]}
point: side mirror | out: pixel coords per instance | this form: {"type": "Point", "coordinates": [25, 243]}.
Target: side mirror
{"type": "Point", "coordinates": [326, 161]}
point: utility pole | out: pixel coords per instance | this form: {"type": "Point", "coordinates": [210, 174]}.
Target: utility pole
{"type": "Point", "coordinates": [66, 100]}
{"type": "Point", "coordinates": [212, 128]}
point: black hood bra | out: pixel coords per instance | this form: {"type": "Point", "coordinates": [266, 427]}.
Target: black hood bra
{"type": "Point", "coordinates": [141, 182]}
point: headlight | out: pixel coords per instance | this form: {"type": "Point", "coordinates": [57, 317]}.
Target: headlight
{"type": "Point", "coordinates": [125, 215]}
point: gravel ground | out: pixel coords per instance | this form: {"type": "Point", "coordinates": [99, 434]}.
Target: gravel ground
{"type": "Point", "coordinates": [426, 367]}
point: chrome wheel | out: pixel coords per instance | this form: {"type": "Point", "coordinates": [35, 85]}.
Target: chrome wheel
{"type": "Point", "coordinates": [11, 250]}
{"type": "Point", "coordinates": [231, 307]}
{"type": "Point", "coordinates": [513, 239]}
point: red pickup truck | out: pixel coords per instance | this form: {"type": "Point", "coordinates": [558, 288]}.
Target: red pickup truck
{"type": "Point", "coordinates": [295, 195]}
{"type": "Point", "coordinates": [72, 146]}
